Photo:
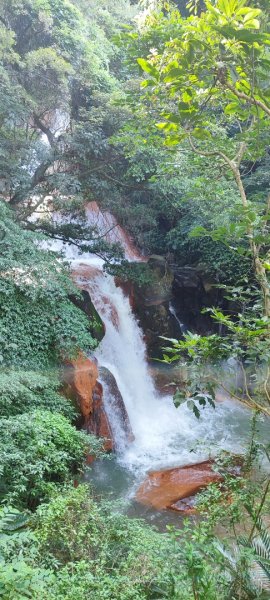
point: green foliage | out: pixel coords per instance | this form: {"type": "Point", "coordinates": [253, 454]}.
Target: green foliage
{"type": "Point", "coordinates": [204, 79]}
{"type": "Point", "coordinates": [240, 506]}
{"type": "Point", "coordinates": [138, 273]}
{"type": "Point", "coordinates": [20, 581]}
{"type": "Point", "coordinates": [260, 544]}
{"type": "Point", "coordinates": [89, 550]}
{"type": "Point", "coordinates": [57, 58]}
{"type": "Point", "coordinates": [208, 88]}
{"type": "Point", "coordinates": [20, 578]}
{"type": "Point", "coordinates": [78, 546]}
{"type": "Point", "coordinates": [39, 324]}
{"type": "Point", "coordinates": [38, 451]}
{"type": "Point", "coordinates": [24, 391]}
{"type": "Point", "coordinates": [244, 340]}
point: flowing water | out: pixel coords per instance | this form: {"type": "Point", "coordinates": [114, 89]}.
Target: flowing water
{"type": "Point", "coordinates": [181, 326]}
{"type": "Point", "coordinates": [164, 436]}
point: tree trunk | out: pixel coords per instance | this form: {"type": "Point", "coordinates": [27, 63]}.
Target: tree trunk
{"type": "Point", "coordinates": [262, 278]}
{"type": "Point", "coordinates": [38, 177]}
{"type": "Point", "coordinates": [260, 272]}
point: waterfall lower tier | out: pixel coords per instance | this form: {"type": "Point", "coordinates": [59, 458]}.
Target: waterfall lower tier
{"type": "Point", "coordinates": [164, 435]}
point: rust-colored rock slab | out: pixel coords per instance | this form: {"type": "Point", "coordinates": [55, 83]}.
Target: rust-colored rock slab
{"type": "Point", "coordinates": [80, 380]}
{"type": "Point", "coordinates": [107, 225]}
{"type": "Point", "coordinates": [82, 385]}
{"type": "Point", "coordinates": [97, 422]}
{"type": "Point", "coordinates": [164, 489]}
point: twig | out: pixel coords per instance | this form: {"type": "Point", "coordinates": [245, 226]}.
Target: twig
{"type": "Point", "coordinates": [250, 99]}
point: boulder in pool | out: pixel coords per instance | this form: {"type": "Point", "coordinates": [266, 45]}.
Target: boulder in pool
{"type": "Point", "coordinates": [175, 488]}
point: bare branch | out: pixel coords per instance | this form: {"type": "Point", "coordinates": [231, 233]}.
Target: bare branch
{"type": "Point", "coordinates": [240, 154]}
{"type": "Point", "coordinates": [46, 130]}
{"type": "Point", "coordinates": [251, 99]}
{"type": "Point", "coordinates": [38, 177]}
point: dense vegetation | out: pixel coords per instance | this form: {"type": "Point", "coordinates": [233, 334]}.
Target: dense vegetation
{"type": "Point", "coordinates": [160, 112]}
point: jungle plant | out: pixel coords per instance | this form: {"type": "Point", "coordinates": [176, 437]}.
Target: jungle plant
{"type": "Point", "coordinates": [236, 362]}
{"type": "Point", "coordinates": [39, 451]}
{"type": "Point", "coordinates": [209, 69]}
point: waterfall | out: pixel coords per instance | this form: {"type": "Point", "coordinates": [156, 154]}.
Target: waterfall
{"type": "Point", "coordinates": [182, 327]}
{"type": "Point", "coordinates": [164, 436]}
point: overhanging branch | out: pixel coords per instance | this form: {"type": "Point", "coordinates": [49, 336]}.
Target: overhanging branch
{"type": "Point", "coordinates": [247, 98]}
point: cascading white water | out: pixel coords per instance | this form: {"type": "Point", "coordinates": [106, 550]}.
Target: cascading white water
{"type": "Point", "coordinates": [163, 434]}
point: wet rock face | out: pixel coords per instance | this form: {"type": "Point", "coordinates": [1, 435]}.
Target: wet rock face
{"type": "Point", "coordinates": [167, 378]}
{"type": "Point", "coordinates": [176, 488]}
{"type": "Point", "coordinates": [159, 291]}
{"type": "Point", "coordinates": [97, 421]}
{"type": "Point", "coordinates": [80, 378]}
{"type": "Point", "coordinates": [116, 405]}
{"type": "Point", "coordinates": [127, 288]}
{"type": "Point", "coordinates": [81, 385]}
{"type": "Point", "coordinates": [191, 293]}
{"type": "Point", "coordinates": [151, 305]}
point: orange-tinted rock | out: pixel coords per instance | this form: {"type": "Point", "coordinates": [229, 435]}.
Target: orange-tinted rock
{"type": "Point", "coordinates": [166, 489]}
{"type": "Point", "coordinates": [80, 378]}
{"type": "Point", "coordinates": [82, 386]}
{"type": "Point", "coordinates": [97, 422]}
{"type": "Point", "coordinates": [90, 459]}
{"type": "Point", "coordinates": [107, 225]}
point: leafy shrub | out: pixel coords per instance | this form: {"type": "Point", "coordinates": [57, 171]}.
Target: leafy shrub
{"type": "Point", "coordinates": [23, 391]}
{"type": "Point", "coordinates": [102, 554]}
{"type": "Point", "coordinates": [38, 451]}
{"type": "Point", "coordinates": [80, 548]}
{"type": "Point", "coordinates": [19, 581]}
{"type": "Point", "coordinates": [38, 322]}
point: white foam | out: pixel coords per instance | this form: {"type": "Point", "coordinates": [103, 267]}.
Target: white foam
{"type": "Point", "coordinates": [164, 436]}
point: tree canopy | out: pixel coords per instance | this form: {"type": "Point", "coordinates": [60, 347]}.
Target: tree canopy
{"type": "Point", "coordinates": [159, 112]}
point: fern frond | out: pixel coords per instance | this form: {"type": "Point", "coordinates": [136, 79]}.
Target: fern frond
{"type": "Point", "coordinates": [266, 540]}
{"type": "Point", "coordinates": [260, 550]}
{"type": "Point", "coordinates": [11, 520]}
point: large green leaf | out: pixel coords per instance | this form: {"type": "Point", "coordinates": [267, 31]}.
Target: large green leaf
{"type": "Point", "coordinates": [148, 68]}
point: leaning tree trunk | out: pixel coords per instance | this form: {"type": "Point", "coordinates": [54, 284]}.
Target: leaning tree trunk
{"type": "Point", "coordinates": [259, 269]}
{"type": "Point", "coordinates": [234, 165]}
{"type": "Point", "coordinates": [262, 279]}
